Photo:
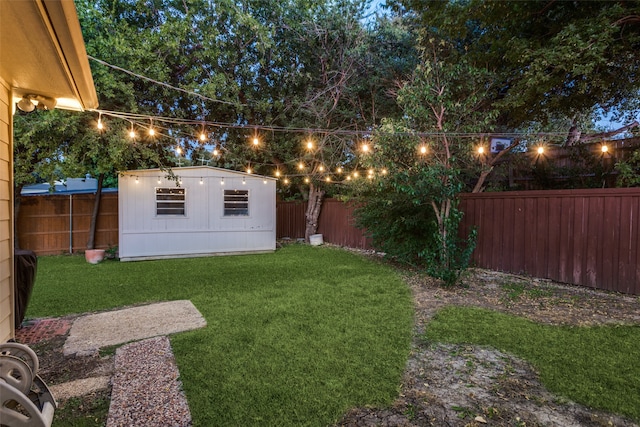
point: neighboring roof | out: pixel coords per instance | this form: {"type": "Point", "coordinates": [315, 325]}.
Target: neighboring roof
{"type": "Point", "coordinates": [43, 52]}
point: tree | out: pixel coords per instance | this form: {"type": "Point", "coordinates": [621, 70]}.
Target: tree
{"type": "Point", "coordinates": [551, 59]}
{"type": "Point", "coordinates": [445, 100]}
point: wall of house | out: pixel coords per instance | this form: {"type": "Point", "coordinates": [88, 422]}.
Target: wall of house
{"type": "Point", "coordinates": [6, 215]}
{"type": "Point", "coordinates": [204, 229]}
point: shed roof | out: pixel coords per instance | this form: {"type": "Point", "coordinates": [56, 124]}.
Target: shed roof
{"type": "Point", "coordinates": [203, 168]}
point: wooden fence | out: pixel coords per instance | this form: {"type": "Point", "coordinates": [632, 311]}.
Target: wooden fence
{"type": "Point", "coordinates": [585, 237]}
{"type": "Point", "coordinates": [336, 223]}
{"type": "Point", "coordinates": [56, 224]}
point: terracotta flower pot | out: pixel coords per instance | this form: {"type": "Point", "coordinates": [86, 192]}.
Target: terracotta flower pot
{"type": "Point", "coordinates": [94, 256]}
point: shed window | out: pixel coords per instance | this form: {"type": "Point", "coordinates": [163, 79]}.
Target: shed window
{"type": "Point", "coordinates": [170, 201]}
{"type": "Point", "coordinates": [236, 202]}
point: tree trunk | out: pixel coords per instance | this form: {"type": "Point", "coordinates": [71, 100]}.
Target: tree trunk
{"type": "Point", "coordinates": [479, 187]}
{"type": "Point", "coordinates": [17, 198]}
{"type": "Point", "coordinates": [94, 215]}
{"type": "Point", "coordinates": [316, 196]}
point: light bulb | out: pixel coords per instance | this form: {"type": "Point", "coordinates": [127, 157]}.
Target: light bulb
{"type": "Point", "coordinates": [132, 133]}
{"type": "Point", "coordinates": [306, 180]}
{"type": "Point", "coordinates": [604, 148]}
{"type": "Point", "coordinates": [328, 179]}
{"type": "Point", "coordinates": [215, 152]}
{"type": "Point", "coordinates": [100, 125]}
{"type": "Point", "coordinates": [321, 168]}
{"type": "Point", "coordinates": [221, 181]}
{"type": "Point", "coordinates": [423, 150]}
{"type": "Point", "coordinates": [152, 132]}
{"type": "Point", "coordinates": [201, 181]}
{"type": "Point", "coordinates": [480, 150]}
{"type": "Point", "coordinates": [310, 145]}
{"type": "Point", "coordinates": [248, 170]}
{"type": "Point", "coordinates": [384, 171]}
{"type": "Point", "coordinates": [203, 137]}
{"type": "Point", "coordinates": [339, 170]}
{"type": "Point", "coordinates": [277, 173]}
{"type": "Point", "coordinates": [286, 181]}
{"type": "Point", "coordinates": [365, 148]}
{"type": "Point", "coordinates": [256, 141]}
{"type": "Point", "coordinates": [540, 150]}
{"type": "Point", "coordinates": [300, 165]}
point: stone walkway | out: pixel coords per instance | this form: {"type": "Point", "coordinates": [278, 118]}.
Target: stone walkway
{"type": "Point", "coordinates": [145, 386]}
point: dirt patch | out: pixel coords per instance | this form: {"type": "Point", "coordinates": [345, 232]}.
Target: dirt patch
{"type": "Point", "coordinates": [462, 385]}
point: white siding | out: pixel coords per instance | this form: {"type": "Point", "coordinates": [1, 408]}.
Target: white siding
{"type": "Point", "coordinates": [6, 216]}
{"type": "Point", "coordinates": [203, 230]}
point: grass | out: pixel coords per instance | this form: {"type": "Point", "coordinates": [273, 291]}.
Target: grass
{"type": "Point", "coordinates": [594, 366]}
{"type": "Point", "coordinates": [293, 338]}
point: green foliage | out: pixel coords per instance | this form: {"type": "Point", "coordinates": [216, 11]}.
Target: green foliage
{"type": "Point", "coordinates": [450, 255]}
{"type": "Point", "coordinates": [589, 365]}
{"type": "Point", "coordinates": [555, 59]}
{"type": "Point", "coordinates": [283, 345]}
{"type": "Point", "coordinates": [629, 171]}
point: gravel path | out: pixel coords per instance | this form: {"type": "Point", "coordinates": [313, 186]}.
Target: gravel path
{"type": "Point", "coordinates": [146, 390]}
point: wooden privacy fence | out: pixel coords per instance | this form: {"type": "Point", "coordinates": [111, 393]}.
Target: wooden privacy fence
{"type": "Point", "coordinates": [56, 224]}
{"type": "Point", "coordinates": [336, 223]}
{"type": "Point", "coordinates": [585, 237]}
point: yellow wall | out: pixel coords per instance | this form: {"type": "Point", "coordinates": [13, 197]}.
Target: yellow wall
{"type": "Point", "coordinates": [6, 215]}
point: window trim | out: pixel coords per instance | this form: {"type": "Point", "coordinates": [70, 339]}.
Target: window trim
{"type": "Point", "coordinates": [246, 200]}
{"type": "Point", "coordinates": [183, 203]}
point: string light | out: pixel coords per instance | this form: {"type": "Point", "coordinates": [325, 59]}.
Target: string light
{"type": "Point", "coordinates": [248, 171]}
{"type": "Point", "coordinates": [339, 170]}
{"type": "Point", "coordinates": [215, 151]}
{"type": "Point", "coordinates": [604, 148]}
{"type": "Point", "coordinates": [256, 141]}
{"type": "Point", "coordinates": [365, 148]}
{"type": "Point", "coordinates": [222, 181]}
{"type": "Point", "coordinates": [100, 125]}
{"type": "Point", "coordinates": [152, 131]}
{"type": "Point", "coordinates": [423, 149]}
{"type": "Point", "coordinates": [286, 181]}
{"type": "Point", "coordinates": [301, 166]}
{"type": "Point", "coordinates": [277, 173]}
{"type": "Point", "coordinates": [348, 177]}
{"type": "Point", "coordinates": [203, 135]}
{"type": "Point", "coordinates": [201, 181]}
{"type": "Point", "coordinates": [540, 150]}
{"type": "Point", "coordinates": [310, 145]}
{"type": "Point", "coordinates": [481, 150]}
{"type": "Point", "coordinates": [132, 132]}
{"type": "Point", "coordinates": [264, 181]}
{"type": "Point", "coordinates": [306, 180]}
{"type": "Point", "coordinates": [355, 174]}
{"type": "Point", "coordinates": [178, 151]}
{"type": "Point", "coordinates": [384, 172]}
{"type": "Point", "coordinates": [328, 179]}
{"type": "Point", "coordinates": [321, 168]}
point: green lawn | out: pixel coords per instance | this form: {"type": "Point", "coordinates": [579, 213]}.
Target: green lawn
{"type": "Point", "coordinates": [595, 366]}
{"type": "Point", "coordinates": [293, 338]}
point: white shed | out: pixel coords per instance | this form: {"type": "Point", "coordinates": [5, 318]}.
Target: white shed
{"type": "Point", "coordinates": [208, 211]}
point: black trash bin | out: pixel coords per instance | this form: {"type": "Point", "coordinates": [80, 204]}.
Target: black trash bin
{"type": "Point", "coordinates": [25, 264]}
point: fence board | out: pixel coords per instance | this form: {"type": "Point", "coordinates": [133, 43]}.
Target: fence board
{"type": "Point", "coordinates": [44, 223]}
{"type": "Point", "coordinates": [585, 237]}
